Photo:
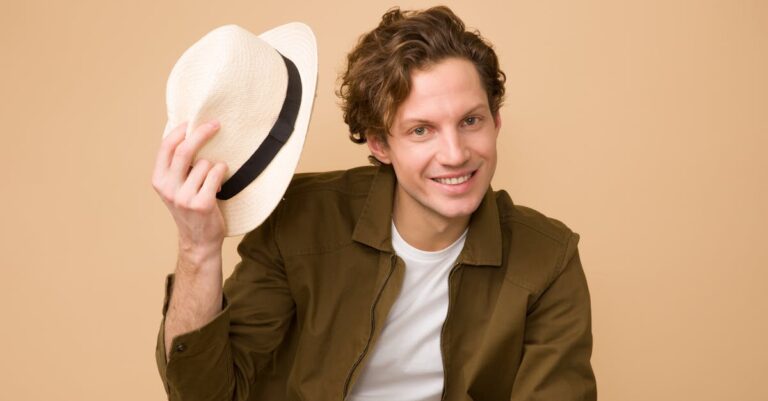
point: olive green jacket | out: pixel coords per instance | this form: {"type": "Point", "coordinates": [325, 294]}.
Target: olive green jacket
{"type": "Point", "coordinates": [307, 303]}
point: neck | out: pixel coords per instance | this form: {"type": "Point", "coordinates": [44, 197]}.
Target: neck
{"type": "Point", "coordinates": [426, 231]}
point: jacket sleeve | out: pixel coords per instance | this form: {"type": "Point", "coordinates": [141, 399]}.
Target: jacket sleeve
{"type": "Point", "coordinates": [223, 359]}
{"type": "Point", "coordinates": [558, 338]}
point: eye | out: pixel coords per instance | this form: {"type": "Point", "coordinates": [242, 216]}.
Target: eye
{"type": "Point", "coordinates": [420, 131]}
{"type": "Point", "coordinates": [470, 121]}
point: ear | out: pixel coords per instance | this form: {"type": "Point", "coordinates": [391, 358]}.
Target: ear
{"type": "Point", "coordinates": [497, 121]}
{"type": "Point", "coordinates": [378, 148]}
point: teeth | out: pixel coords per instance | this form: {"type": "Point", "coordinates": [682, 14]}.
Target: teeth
{"type": "Point", "coordinates": [453, 180]}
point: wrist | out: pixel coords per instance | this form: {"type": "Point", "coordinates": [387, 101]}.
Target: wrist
{"type": "Point", "coordinates": [199, 258]}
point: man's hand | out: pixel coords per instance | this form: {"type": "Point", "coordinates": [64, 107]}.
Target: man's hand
{"type": "Point", "coordinates": [189, 191]}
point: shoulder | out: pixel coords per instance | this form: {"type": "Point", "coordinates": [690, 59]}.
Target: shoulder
{"type": "Point", "coordinates": [319, 210]}
{"type": "Point", "coordinates": [352, 182]}
{"type": "Point", "coordinates": [537, 246]}
{"type": "Point", "coordinates": [529, 219]}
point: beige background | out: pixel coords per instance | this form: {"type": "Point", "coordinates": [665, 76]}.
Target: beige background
{"type": "Point", "coordinates": [641, 124]}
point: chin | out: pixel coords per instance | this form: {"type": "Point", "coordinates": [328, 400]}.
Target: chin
{"type": "Point", "coordinates": [463, 210]}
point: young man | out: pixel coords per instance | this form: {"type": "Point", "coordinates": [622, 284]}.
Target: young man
{"type": "Point", "coordinates": [409, 280]}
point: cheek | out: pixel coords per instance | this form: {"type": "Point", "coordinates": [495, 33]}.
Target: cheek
{"type": "Point", "coordinates": [488, 146]}
{"type": "Point", "coordinates": [411, 159]}
{"type": "Point", "coordinates": [483, 147]}
{"type": "Point", "coordinates": [492, 151]}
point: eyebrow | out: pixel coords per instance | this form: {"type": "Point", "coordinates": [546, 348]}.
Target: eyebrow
{"type": "Point", "coordinates": [409, 121]}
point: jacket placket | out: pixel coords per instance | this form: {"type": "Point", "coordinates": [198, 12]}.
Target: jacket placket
{"type": "Point", "coordinates": [369, 342]}
{"type": "Point", "coordinates": [443, 350]}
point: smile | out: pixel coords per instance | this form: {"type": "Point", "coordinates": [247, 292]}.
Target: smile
{"type": "Point", "coordinates": [454, 180]}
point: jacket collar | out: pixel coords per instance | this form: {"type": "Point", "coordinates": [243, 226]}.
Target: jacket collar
{"type": "Point", "coordinates": [373, 228]}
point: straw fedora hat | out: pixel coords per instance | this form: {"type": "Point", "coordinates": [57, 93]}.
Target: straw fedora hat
{"type": "Point", "coordinates": [261, 88]}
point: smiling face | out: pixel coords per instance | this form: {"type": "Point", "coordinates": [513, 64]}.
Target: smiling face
{"type": "Point", "coordinates": [442, 146]}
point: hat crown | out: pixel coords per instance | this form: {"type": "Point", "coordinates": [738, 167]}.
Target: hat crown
{"type": "Point", "coordinates": [231, 72]}
{"type": "Point", "coordinates": [242, 80]}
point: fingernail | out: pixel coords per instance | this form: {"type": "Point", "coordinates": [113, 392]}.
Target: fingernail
{"type": "Point", "coordinates": [214, 124]}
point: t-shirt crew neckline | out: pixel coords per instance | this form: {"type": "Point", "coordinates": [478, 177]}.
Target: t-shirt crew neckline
{"type": "Point", "coordinates": [403, 248]}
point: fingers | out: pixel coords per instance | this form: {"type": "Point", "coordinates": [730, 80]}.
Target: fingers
{"type": "Point", "coordinates": [213, 180]}
{"type": "Point", "coordinates": [196, 194]}
{"type": "Point", "coordinates": [173, 178]}
{"type": "Point", "coordinates": [167, 146]}
{"type": "Point", "coordinates": [186, 191]}
{"type": "Point", "coordinates": [194, 180]}
{"type": "Point", "coordinates": [186, 150]}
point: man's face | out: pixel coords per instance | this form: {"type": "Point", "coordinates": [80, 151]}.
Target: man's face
{"type": "Point", "coordinates": [442, 144]}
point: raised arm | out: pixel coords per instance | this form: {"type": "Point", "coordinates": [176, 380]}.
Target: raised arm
{"type": "Point", "coordinates": [189, 193]}
{"type": "Point", "coordinates": [214, 343]}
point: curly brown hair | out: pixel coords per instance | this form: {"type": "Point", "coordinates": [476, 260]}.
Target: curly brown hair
{"type": "Point", "coordinates": [377, 78]}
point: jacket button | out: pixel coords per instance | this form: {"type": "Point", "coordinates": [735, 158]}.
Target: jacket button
{"type": "Point", "coordinates": [181, 347]}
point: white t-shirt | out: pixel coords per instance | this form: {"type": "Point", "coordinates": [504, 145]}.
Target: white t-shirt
{"type": "Point", "coordinates": [406, 364]}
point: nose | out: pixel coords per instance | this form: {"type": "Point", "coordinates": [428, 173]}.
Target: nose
{"type": "Point", "coordinates": [453, 149]}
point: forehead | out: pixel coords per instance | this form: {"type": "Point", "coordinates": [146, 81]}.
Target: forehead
{"type": "Point", "coordinates": [445, 90]}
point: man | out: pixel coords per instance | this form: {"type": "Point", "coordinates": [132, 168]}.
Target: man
{"type": "Point", "coordinates": [409, 280]}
